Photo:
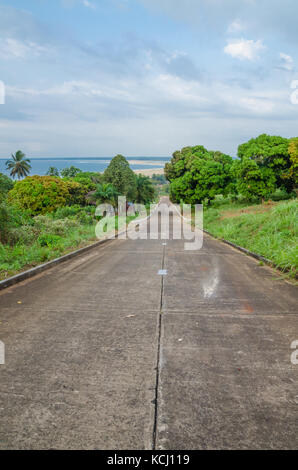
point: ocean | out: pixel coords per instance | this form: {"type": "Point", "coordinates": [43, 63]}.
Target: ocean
{"type": "Point", "coordinates": [40, 166]}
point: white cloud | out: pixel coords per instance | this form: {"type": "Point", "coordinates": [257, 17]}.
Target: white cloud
{"type": "Point", "coordinates": [287, 62]}
{"type": "Point", "coordinates": [236, 26]}
{"type": "Point", "coordinates": [13, 48]}
{"type": "Point", "coordinates": [244, 49]}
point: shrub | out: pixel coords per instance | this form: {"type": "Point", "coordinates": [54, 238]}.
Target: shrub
{"type": "Point", "coordinates": [67, 211]}
{"type": "Point", "coordinates": [76, 193]}
{"type": "Point", "coordinates": [10, 218]}
{"type": "Point", "coordinates": [49, 240]}
{"type": "Point", "coordinates": [40, 194]}
{"type": "Point", "coordinates": [47, 224]}
{"type": "Point", "coordinates": [6, 184]}
{"type": "Point", "coordinates": [282, 195]}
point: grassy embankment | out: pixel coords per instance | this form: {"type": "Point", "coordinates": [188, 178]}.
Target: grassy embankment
{"type": "Point", "coordinates": [269, 229]}
{"type": "Point", "coordinates": [36, 240]}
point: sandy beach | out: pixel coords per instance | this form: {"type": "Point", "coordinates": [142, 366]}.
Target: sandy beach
{"type": "Point", "coordinates": [150, 172]}
{"type": "Point", "coordinates": [148, 162]}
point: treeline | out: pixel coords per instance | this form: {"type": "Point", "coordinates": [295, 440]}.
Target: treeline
{"type": "Point", "coordinates": [45, 194]}
{"type": "Point", "coordinates": [264, 164]}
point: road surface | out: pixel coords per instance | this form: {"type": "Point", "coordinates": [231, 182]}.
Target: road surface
{"type": "Point", "coordinates": [102, 352]}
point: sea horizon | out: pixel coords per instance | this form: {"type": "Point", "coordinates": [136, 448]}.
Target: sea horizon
{"type": "Point", "coordinates": [40, 165]}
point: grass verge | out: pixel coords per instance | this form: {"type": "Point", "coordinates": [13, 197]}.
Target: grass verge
{"type": "Point", "coordinates": [269, 229]}
{"type": "Point", "coordinates": [46, 238]}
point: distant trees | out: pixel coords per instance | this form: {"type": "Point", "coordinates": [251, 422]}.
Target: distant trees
{"type": "Point", "coordinates": [52, 171]}
{"type": "Point", "coordinates": [159, 179]}
{"type": "Point", "coordinates": [70, 172]}
{"type": "Point", "coordinates": [18, 165]}
{"type": "Point", "coordinates": [121, 176]}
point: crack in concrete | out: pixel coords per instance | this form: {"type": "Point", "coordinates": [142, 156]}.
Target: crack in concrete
{"type": "Point", "coordinates": [154, 437]}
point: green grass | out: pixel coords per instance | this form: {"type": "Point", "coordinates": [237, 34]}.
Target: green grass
{"type": "Point", "coordinates": [47, 237]}
{"type": "Point", "coordinates": [271, 229]}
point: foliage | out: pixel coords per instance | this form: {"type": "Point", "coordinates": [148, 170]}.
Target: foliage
{"type": "Point", "coordinates": [34, 240]}
{"type": "Point", "coordinates": [159, 179]}
{"type": "Point", "coordinates": [53, 171]}
{"type": "Point", "coordinates": [40, 194]}
{"type": "Point", "coordinates": [145, 190]}
{"type": "Point", "coordinates": [270, 229]}
{"type": "Point", "coordinates": [18, 165]}
{"type": "Point", "coordinates": [254, 181]}
{"type": "Point", "coordinates": [196, 174]}
{"type": "Point", "coordinates": [293, 152]}
{"type": "Point", "coordinates": [6, 184]}
{"type": "Point", "coordinates": [120, 175]}
{"type": "Point", "coordinates": [70, 172]}
{"type": "Point", "coordinates": [10, 218]}
{"type": "Point", "coordinates": [76, 193]}
{"type": "Point", "coordinates": [88, 180]}
{"type": "Point", "coordinates": [270, 152]}
{"type": "Point", "coordinates": [105, 193]}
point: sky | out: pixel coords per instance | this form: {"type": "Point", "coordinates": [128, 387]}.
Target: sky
{"type": "Point", "coordinates": [145, 77]}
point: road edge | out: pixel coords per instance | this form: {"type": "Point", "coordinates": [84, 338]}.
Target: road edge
{"type": "Point", "coordinates": [10, 281]}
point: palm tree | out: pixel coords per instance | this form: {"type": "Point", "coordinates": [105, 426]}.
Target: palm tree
{"type": "Point", "coordinates": [19, 165]}
{"type": "Point", "coordinates": [53, 171]}
{"type": "Point", "coordinates": [105, 193]}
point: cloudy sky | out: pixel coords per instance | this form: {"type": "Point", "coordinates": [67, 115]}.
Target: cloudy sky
{"type": "Point", "coordinates": [145, 77]}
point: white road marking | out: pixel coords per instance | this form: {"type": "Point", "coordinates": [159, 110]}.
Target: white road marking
{"type": "Point", "coordinates": [162, 272]}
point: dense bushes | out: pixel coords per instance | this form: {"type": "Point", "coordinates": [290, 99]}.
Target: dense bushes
{"type": "Point", "coordinates": [6, 184]}
{"type": "Point", "coordinates": [39, 194]}
{"type": "Point", "coordinates": [44, 194]}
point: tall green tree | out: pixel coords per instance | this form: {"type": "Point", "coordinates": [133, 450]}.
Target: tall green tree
{"type": "Point", "coordinates": [196, 174]}
{"type": "Point", "coordinates": [270, 152]}
{"type": "Point", "coordinates": [121, 176]}
{"type": "Point", "coordinates": [18, 165]}
{"type": "Point", "coordinates": [253, 181]}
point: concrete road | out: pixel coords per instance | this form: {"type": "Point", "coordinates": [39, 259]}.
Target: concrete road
{"type": "Point", "coordinates": [104, 353]}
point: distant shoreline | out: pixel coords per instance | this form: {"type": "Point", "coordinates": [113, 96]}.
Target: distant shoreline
{"type": "Point", "coordinates": [150, 172]}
